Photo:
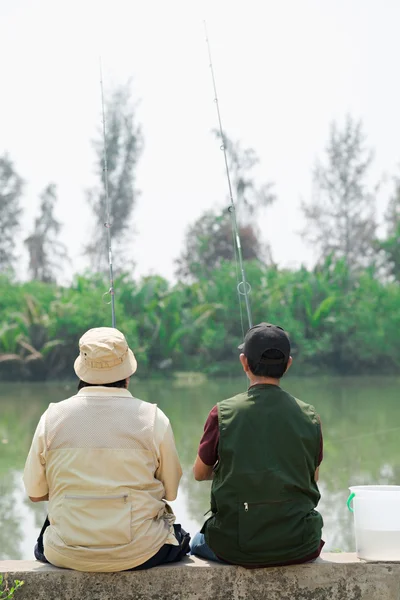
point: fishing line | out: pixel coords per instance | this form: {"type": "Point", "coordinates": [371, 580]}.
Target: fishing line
{"type": "Point", "coordinates": [107, 224]}
{"type": "Point", "coordinates": [243, 287]}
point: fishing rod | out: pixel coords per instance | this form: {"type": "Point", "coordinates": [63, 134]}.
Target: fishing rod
{"type": "Point", "coordinates": [107, 224]}
{"type": "Point", "coordinates": [243, 287]}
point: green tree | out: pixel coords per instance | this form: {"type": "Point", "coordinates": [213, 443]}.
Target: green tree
{"type": "Point", "coordinates": [123, 146]}
{"type": "Point", "coordinates": [391, 244]}
{"type": "Point", "coordinates": [249, 195]}
{"type": "Point", "coordinates": [11, 187]}
{"type": "Point", "coordinates": [340, 217]}
{"type": "Point", "coordinates": [196, 326]}
{"type": "Point", "coordinates": [46, 253]}
{"type": "Point", "coordinates": [27, 347]}
{"type": "Point", "coordinates": [209, 240]}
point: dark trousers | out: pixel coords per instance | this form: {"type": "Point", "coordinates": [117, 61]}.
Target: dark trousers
{"type": "Point", "coordinates": [39, 549]}
{"type": "Point", "coordinates": [166, 554]}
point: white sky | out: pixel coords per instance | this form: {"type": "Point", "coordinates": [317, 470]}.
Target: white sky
{"type": "Point", "coordinates": [284, 69]}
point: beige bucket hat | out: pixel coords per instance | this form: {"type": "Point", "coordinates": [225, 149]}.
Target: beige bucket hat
{"type": "Point", "coordinates": [104, 356]}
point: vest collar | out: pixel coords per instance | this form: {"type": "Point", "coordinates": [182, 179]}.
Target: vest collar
{"type": "Point", "coordinates": [101, 390]}
{"type": "Point", "coordinates": [262, 386]}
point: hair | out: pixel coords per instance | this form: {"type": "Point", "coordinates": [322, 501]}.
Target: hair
{"type": "Point", "coordinates": [263, 369]}
{"type": "Point", "coordinates": [116, 384]}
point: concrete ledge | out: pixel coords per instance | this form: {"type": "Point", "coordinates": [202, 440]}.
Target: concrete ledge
{"type": "Point", "coordinates": [332, 577]}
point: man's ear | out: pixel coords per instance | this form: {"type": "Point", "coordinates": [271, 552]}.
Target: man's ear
{"type": "Point", "coordinates": [289, 364]}
{"type": "Point", "coordinates": [244, 362]}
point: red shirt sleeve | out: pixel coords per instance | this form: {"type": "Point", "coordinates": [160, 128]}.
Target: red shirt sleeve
{"type": "Point", "coordinates": [321, 445]}
{"type": "Point", "coordinates": [208, 448]}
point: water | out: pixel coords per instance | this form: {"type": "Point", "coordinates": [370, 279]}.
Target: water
{"type": "Point", "coordinates": [361, 424]}
{"type": "Point", "coordinates": [378, 545]}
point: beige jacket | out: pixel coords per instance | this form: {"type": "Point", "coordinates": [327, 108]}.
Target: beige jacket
{"type": "Point", "coordinates": [108, 462]}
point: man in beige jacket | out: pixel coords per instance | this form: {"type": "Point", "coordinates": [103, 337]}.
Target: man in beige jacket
{"type": "Point", "coordinates": [107, 464]}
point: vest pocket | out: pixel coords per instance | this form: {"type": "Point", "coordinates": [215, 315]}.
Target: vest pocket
{"type": "Point", "coordinates": [313, 524]}
{"type": "Point", "coordinates": [96, 520]}
{"type": "Point", "coordinates": [268, 526]}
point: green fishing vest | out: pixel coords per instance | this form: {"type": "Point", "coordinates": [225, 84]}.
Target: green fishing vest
{"type": "Point", "coordinates": [264, 494]}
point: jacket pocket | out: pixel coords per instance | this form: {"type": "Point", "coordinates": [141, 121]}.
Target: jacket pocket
{"type": "Point", "coordinates": [96, 520]}
{"type": "Point", "coordinates": [269, 526]}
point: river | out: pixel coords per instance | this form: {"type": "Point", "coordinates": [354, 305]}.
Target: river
{"type": "Point", "coordinates": [361, 425]}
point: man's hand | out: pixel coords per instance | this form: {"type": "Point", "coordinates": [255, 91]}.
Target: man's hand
{"type": "Point", "coordinates": [201, 471]}
{"type": "Point", "coordinates": [42, 499]}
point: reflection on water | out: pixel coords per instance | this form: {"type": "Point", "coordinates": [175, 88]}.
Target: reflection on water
{"type": "Point", "coordinates": [361, 423]}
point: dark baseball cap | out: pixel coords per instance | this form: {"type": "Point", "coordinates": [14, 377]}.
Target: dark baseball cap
{"type": "Point", "coordinates": [263, 337]}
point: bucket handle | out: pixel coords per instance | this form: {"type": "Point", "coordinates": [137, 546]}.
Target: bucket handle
{"type": "Point", "coordinates": [349, 501]}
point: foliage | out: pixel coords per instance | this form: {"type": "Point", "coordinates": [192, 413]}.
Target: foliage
{"type": "Point", "coordinates": [5, 592]}
{"type": "Point", "coordinates": [123, 148]}
{"type": "Point", "coordinates": [337, 323]}
{"type": "Point", "coordinates": [11, 186]}
{"type": "Point", "coordinates": [27, 350]}
{"type": "Point", "coordinates": [391, 244]}
{"type": "Point", "coordinates": [46, 252]}
{"type": "Point", "coordinates": [340, 217]}
{"type": "Point", "coordinates": [208, 241]}
{"type": "Point", "coordinates": [250, 196]}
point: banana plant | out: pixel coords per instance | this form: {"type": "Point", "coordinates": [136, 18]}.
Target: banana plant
{"type": "Point", "coordinates": [28, 337]}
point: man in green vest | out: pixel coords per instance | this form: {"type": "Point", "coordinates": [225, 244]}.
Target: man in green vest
{"type": "Point", "coordinates": [262, 449]}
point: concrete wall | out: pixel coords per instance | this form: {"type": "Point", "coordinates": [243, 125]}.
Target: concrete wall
{"type": "Point", "coordinates": [333, 577]}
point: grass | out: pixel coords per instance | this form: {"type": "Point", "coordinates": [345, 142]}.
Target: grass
{"type": "Point", "coordinates": [5, 591]}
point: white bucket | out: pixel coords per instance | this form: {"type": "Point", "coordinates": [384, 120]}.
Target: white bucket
{"type": "Point", "coordinates": [376, 521]}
